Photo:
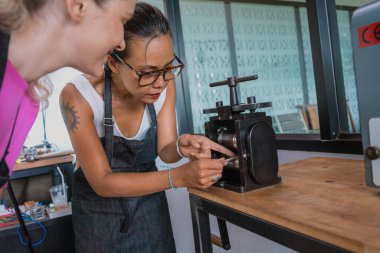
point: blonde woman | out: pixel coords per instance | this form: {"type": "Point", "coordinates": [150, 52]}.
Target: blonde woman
{"type": "Point", "coordinates": [40, 36]}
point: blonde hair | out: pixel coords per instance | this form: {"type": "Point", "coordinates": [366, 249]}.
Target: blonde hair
{"type": "Point", "coordinates": [41, 90]}
{"type": "Point", "coordinates": [12, 15]}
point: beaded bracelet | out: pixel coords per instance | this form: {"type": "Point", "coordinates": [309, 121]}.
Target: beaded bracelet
{"type": "Point", "coordinates": [178, 151]}
{"type": "Point", "coordinates": [169, 169]}
{"type": "Point", "coordinates": [170, 179]}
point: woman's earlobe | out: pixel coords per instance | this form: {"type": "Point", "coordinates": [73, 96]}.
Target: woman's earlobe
{"type": "Point", "coordinates": [76, 9]}
{"type": "Point", "coordinates": [112, 64]}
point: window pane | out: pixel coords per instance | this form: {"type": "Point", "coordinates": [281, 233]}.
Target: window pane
{"type": "Point", "coordinates": [344, 15]}
{"type": "Point", "coordinates": [270, 40]}
{"type": "Point", "coordinates": [157, 3]}
{"type": "Point", "coordinates": [207, 55]}
{"type": "Point", "coordinates": [273, 42]}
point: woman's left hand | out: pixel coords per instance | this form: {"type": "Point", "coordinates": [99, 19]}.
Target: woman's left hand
{"type": "Point", "coordinates": [199, 147]}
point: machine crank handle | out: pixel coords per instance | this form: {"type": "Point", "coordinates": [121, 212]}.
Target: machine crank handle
{"type": "Point", "coordinates": [234, 80]}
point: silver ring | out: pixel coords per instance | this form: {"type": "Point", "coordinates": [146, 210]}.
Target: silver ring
{"type": "Point", "coordinates": [215, 178]}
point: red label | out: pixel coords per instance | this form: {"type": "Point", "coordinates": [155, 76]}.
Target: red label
{"type": "Point", "coordinates": [369, 35]}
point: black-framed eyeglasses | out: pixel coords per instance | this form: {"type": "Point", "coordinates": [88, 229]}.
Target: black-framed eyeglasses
{"type": "Point", "coordinates": [148, 78]}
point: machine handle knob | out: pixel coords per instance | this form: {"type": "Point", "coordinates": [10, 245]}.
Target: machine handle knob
{"type": "Point", "coordinates": [251, 100]}
{"type": "Point", "coordinates": [373, 153]}
{"type": "Point", "coordinates": [219, 103]}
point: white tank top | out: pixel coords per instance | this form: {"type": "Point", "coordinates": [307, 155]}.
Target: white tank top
{"type": "Point", "coordinates": [97, 105]}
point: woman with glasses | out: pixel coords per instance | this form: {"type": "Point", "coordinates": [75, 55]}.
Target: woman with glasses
{"type": "Point", "coordinates": [118, 125]}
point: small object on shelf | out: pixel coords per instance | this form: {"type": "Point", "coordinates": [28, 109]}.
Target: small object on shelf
{"type": "Point", "coordinates": [51, 208]}
{"type": "Point", "coordinates": [59, 211]}
{"type": "Point", "coordinates": [59, 195]}
{"type": "Point", "coordinates": [29, 204]}
{"type": "Point", "coordinates": [37, 212]}
{"type": "Point", "coordinates": [3, 210]}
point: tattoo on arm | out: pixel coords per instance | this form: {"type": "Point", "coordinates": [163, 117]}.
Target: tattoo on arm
{"type": "Point", "coordinates": [70, 116]}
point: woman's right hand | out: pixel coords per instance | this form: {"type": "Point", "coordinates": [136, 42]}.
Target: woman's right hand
{"type": "Point", "coordinates": [199, 174]}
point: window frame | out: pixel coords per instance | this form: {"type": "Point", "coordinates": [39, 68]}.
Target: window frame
{"type": "Point", "coordinates": [334, 134]}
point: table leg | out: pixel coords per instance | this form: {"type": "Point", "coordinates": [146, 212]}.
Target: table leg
{"type": "Point", "coordinates": [224, 234]}
{"type": "Point", "coordinates": [195, 224]}
{"type": "Point", "coordinates": [205, 231]}
{"type": "Point", "coordinates": [201, 227]}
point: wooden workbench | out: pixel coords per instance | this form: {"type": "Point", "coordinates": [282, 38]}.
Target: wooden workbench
{"type": "Point", "coordinates": [48, 165]}
{"type": "Point", "coordinates": [57, 158]}
{"type": "Point", "coordinates": [325, 199]}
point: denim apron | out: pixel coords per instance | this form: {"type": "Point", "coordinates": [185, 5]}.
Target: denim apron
{"type": "Point", "coordinates": [128, 224]}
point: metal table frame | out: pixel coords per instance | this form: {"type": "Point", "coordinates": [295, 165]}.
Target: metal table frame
{"type": "Point", "coordinates": [201, 208]}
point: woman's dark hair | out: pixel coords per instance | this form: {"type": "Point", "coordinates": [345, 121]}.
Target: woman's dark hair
{"type": "Point", "coordinates": [147, 22]}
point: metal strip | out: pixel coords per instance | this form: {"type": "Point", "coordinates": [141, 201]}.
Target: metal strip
{"type": "Point", "coordinates": [301, 54]}
{"type": "Point", "coordinates": [327, 67]}
{"type": "Point", "coordinates": [183, 102]}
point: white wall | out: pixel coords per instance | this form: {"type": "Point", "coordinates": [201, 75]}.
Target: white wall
{"type": "Point", "coordinates": [55, 127]}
